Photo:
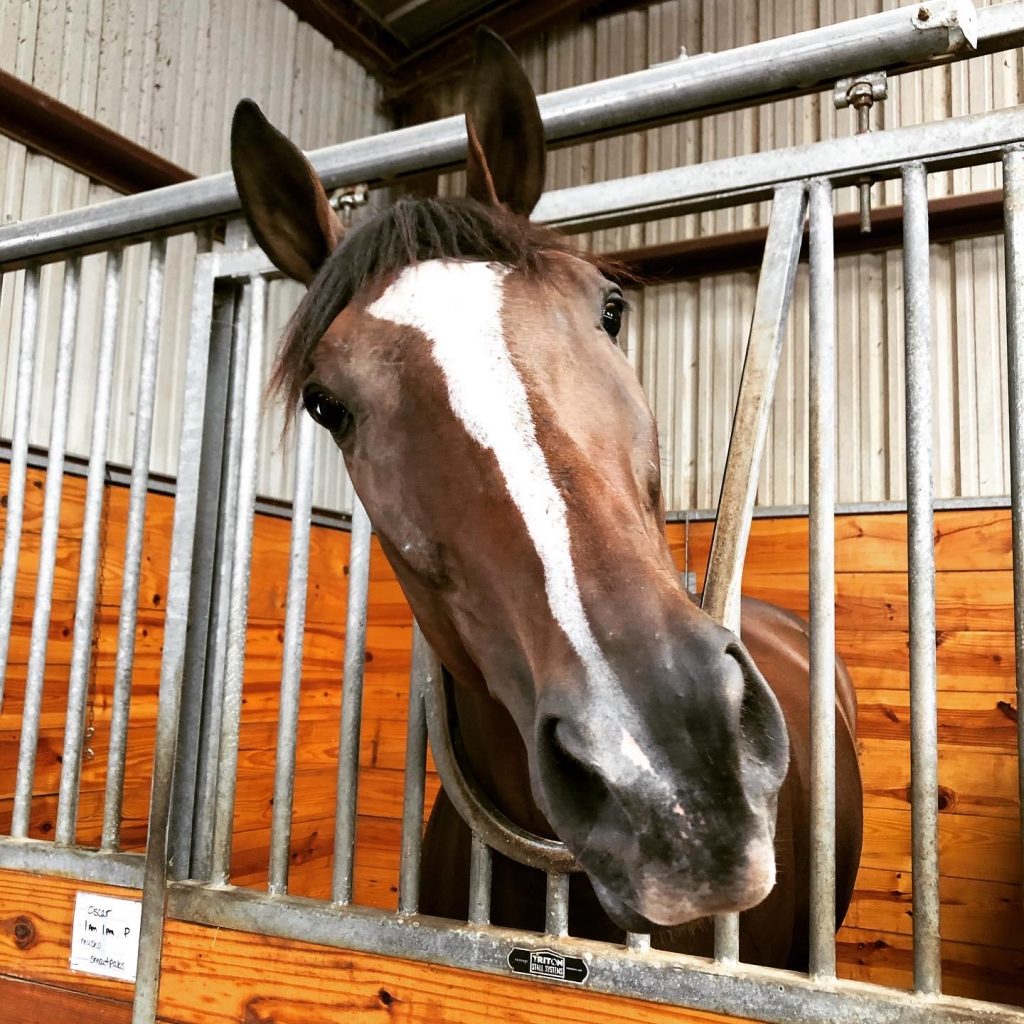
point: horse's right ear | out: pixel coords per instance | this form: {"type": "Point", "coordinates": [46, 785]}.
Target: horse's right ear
{"type": "Point", "coordinates": [283, 200]}
{"type": "Point", "coordinates": [505, 164]}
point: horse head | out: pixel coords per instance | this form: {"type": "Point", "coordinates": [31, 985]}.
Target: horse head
{"type": "Point", "coordinates": [465, 362]}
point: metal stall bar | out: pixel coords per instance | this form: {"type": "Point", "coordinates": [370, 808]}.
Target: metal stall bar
{"type": "Point", "coordinates": [556, 905]}
{"type": "Point", "coordinates": [132, 573]}
{"type": "Point", "coordinates": [291, 660]}
{"type": "Point", "coordinates": [924, 773]}
{"type": "Point", "coordinates": [179, 585]}
{"type": "Point", "coordinates": [753, 177]}
{"type": "Point", "coordinates": [192, 779]}
{"type": "Point", "coordinates": [425, 666]}
{"type": "Point", "coordinates": [721, 598]}
{"type": "Point", "coordinates": [238, 616]}
{"type": "Point", "coordinates": [1013, 187]}
{"type": "Point", "coordinates": [19, 460]}
{"type": "Point", "coordinates": [238, 307]}
{"type": "Point", "coordinates": [896, 40]}
{"type": "Point", "coordinates": [47, 554]}
{"type": "Point", "coordinates": [351, 703]}
{"type": "Point", "coordinates": [821, 528]}
{"type": "Point", "coordinates": [479, 881]}
{"type": "Point", "coordinates": [88, 570]}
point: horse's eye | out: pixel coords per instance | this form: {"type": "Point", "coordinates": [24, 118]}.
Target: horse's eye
{"type": "Point", "coordinates": [611, 315]}
{"type": "Point", "coordinates": [325, 410]}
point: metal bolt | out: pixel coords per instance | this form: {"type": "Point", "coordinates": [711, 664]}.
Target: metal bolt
{"type": "Point", "coordinates": [862, 93]}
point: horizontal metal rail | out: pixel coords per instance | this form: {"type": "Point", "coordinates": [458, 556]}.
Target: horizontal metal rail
{"type": "Point", "coordinates": [899, 40]}
{"type": "Point", "coordinates": [940, 145]}
{"type": "Point", "coordinates": [771, 995]}
{"type": "Point", "coordinates": [43, 857]}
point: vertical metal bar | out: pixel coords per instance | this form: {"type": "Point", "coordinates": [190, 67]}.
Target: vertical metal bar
{"type": "Point", "coordinates": [208, 754]}
{"type": "Point", "coordinates": [556, 905]}
{"type": "Point", "coordinates": [147, 982]}
{"type": "Point", "coordinates": [727, 938]}
{"type": "Point", "coordinates": [425, 667]}
{"type": "Point", "coordinates": [239, 605]}
{"type": "Point", "coordinates": [193, 728]}
{"type": "Point", "coordinates": [88, 571]}
{"type": "Point", "coordinates": [921, 562]}
{"type": "Point", "coordinates": [113, 796]}
{"type": "Point", "coordinates": [1013, 202]}
{"type": "Point", "coordinates": [724, 577]}
{"type": "Point", "coordinates": [479, 881]}
{"type": "Point", "coordinates": [351, 704]}
{"type": "Point", "coordinates": [47, 553]}
{"type": "Point", "coordinates": [822, 583]}
{"type": "Point", "coordinates": [291, 660]}
{"type": "Point", "coordinates": [19, 461]}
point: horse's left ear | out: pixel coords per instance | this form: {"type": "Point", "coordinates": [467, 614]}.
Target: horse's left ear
{"type": "Point", "coordinates": [506, 158]}
{"type": "Point", "coordinates": [283, 200]}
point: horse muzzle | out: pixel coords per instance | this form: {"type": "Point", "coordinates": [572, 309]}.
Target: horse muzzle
{"type": "Point", "coordinates": [667, 792]}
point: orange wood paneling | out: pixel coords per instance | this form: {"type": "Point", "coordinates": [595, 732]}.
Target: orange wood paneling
{"type": "Point", "coordinates": [980, 853]}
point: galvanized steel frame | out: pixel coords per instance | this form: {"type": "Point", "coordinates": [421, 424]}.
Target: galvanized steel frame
{"type": "Point", "coordinates": [898, 40]}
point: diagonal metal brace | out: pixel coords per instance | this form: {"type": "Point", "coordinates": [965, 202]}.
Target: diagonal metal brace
{"type": "Point", "coordinates": [721, 597]}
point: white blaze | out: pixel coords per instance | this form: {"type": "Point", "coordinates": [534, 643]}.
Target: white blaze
{"type": "Point", "coordinates": [631, 751]}
{"type": "Point", "coordinates": [458, 307]}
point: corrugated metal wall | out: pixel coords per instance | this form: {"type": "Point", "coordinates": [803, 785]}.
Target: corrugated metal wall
{"type": "Point", "coordinates": [687, 339]}
{"type": "Point", "coordinates": [166, 75]}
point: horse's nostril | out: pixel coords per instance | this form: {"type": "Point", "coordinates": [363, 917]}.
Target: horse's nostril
{"type": "Point", "coordinates": [762, 726]}
{"type": "Point", "coordinates": [568, 773]}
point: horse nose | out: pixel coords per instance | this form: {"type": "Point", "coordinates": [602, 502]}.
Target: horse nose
{"type": "Point", "coordinates": [710, 739]}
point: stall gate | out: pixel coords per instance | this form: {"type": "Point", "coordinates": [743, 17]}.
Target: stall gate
{"type": "Point", "coordinates": [185, 871]}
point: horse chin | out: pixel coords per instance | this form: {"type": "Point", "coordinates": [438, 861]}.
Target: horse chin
{"type": "Point", "coordinates": [619, 911]}
{"type": "Point", "coordinates": [656, 905]}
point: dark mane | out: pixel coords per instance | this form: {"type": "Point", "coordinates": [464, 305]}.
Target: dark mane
{"type": "Point", "coordinates": [408, 232]}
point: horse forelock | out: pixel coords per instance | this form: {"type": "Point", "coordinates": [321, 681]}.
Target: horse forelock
{"type": "Point", "coordinates": [411, 231]}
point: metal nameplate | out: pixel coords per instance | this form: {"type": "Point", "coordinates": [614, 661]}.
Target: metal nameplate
{"type": "Point", "coordinates": [546, 963]}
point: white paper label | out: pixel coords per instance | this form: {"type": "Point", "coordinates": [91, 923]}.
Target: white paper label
{"type": "Point", "coordinates": [105, 936]}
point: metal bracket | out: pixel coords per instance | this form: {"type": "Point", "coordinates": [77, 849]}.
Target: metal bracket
{"type": "Point", "coordinates": [959, 16]}
{"type": "Point", "coordinates": [862, 92]}
{"type": "Point", "coordinates": [347, 200]}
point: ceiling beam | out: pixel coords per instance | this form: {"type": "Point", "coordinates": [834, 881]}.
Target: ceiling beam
{"type": "Point", "coordinates": [404, 71]}
{"type": "Point", "coordinates": [350, 28]}
{"type": "Point", "coordinates": [950, 219]}
{"type": "Point", "coordinates": [60, 132]}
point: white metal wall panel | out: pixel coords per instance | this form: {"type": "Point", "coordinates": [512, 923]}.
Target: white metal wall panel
{"type": "Point", "coordinates": [166, 76]}
{"type": "Point", "coordinates": [688, 339]}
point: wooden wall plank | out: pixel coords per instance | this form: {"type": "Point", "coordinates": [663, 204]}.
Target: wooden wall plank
{"type": "Point", "coordinates": [29, 1002]}
{"type": "Point", "coordinates": [974, 972]}
{"type": "Point", "coordinates": [35, 932]}
{"type": "Point", "coordinates": [213, 975]}
{"type": "Point", "coordinates": [216, 976]}
{"type": "Point", "coordinates": [979, 840]}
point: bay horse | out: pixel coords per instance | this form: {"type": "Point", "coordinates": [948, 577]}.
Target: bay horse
{"type": "Point", "coordinates": [464, 360]}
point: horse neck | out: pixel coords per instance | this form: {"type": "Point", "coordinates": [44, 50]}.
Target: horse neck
{"type": "Point", "coordinates": [497, 757]}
